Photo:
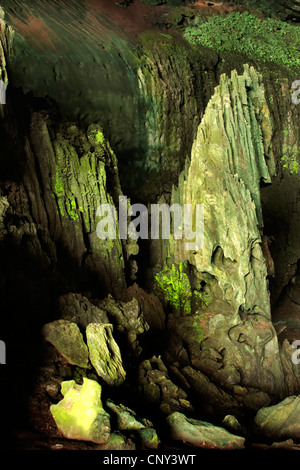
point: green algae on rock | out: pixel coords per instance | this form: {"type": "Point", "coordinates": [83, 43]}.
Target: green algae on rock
{"type": "Point", "coordinates": [127, 420]}
{"type": "Point", "coordinates": [80, 415]}
{"type": "Point", "coordinates": [104, 353]}
{"type": "Point", "coordinates": [280, 421]}
{"type": "Point", "coordinates": [77, 174]}
{"type": "Point", "coordinates": [119, 442]}
{"type": "Point", "coordinates": [65, 336]}
{"type": "Point", "coordinates": [202, 434]}
{"type": "Point", "coordinates": [173, 283]}
{"type": "Point", "coordinates": [231, 154]}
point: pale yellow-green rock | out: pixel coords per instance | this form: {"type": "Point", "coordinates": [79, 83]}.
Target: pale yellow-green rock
{"type": "Point", "coordinates": [230, 156]}
{"type": "Point", "coordinates": [80, 415]}
{"type": "Point", "coordinates": [104, 353]}
{"type": "Point", "coordinates": [66, 337]}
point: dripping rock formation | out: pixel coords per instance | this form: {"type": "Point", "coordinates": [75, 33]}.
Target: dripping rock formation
{"type": "Point", "coordinates": [136, 343]}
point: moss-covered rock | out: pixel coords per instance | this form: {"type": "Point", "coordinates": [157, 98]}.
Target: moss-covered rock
{"type": "Point", "coordinates": [148, 438]}
{"type": "Point", "coordinates": [67, 339]}
{"type": "Point", "coordinates": [78, 309]}
{"type": "Point", "coordinates": [174, 287]}
{"type": "Point", "coordinates": [119, 442]}
{"type": "Point", "coordinates": [228, 161]}
{"type": "Point", "coordinates": [128, 319]}
{"type": "Point", "coordinates": [80, 415]}
{"type": "Point", "coordinates": [128, 421]}
{"type": "Point", "coordinates": [104, 353]}
{"type": "Point", "coordinates": [201, 433]}
{"type": "Point", "coordinates": [280, 421]}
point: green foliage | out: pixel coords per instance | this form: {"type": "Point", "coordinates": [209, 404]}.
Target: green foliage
{"type": "Point", "coordinates": [203, 296]}
{"type": "Point", "coordinates": [266, 40]}
{"type": "Point", "coordinates": [97, 136]}
{"type": "Point", "coordinates": [289, 159]}
{"type": "Point", "coordinates": [175, 285]}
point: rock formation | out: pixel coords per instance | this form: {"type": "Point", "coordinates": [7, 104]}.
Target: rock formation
{"type": "Point", "coordinates": [178, 332]}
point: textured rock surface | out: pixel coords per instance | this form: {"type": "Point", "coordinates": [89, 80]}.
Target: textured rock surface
{"type": "Point", "coordinates": [150, 306]}
{"type": "Point", "coordinates": [104, 353]}
{"type": "Point", "coordinates": [78, 309]}
{"type": "Point", "coordinates": [156, 387]}
{"type": "Point", "coordinates": [202, 434]}
{"type": "Point", "coordinates": [214, 349]}
{"type": "Point", "coordinates": [71, 167]}
{"type": "Point", "coordinates": [128, 319]}
{"type": "Point", "coordinates": [127, 420]}
{"type": "Point", "coordinates": [68, 340]}
{"type": "Point", "coordinates": [119, 442]}
{"type": "Point", "coordinates": [281, 421]}
{"type": "Point", "coordinates": [231, 154]}
{"type": "Point", "coordinates": [6, 40]}
{"type": "Point", "coordinates": [80, 414]}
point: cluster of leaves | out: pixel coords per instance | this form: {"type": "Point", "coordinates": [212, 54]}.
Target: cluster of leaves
{"type": "Point", "coordinates": [289, 159]}
{"type": "Point", "coordinates": [267, 40]}
{"type": "Point", "coordinates": [292, 165]}
{"type": "Point", "coordinates": [203, 296]}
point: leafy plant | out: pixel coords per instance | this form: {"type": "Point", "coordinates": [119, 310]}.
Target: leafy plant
{"type": "Point", "coordinates": [203, 296]}
{"type": "Point", "coordinates": [268, 40]}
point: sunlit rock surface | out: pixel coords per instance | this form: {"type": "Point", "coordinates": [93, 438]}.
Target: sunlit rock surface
{"type": "Point", "coordinates": [80, 415]}
{"type": "Point", "coordinates": [104, 353]}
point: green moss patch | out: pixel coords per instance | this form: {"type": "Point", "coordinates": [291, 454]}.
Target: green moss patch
{"type": "Point", "coordinates": [173, 283]}
{"type": "Point", "coordinates": [80, 415]}
{"type": "Point", "coordinates": [266, 40]}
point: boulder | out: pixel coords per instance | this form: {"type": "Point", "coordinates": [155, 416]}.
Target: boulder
{"type": "Point", "coordinates": [65, 336]}
{"type": "Point", "coordinates": [231, 423]}
{"type": "Point", "coordinates": [157, 388]}
{"type": "Point", "coordinates": [150, 305]}
{"type": "Point", "coordinates": [78, 309]}
{"type": "Point", "coordinates": [201, 433]}
{"type": "Point", "coordinates": [141, 428]}
{"type": "Point", "coordinates": [126, 418]}
{"type": "Point", "coordinates": [104, 353]}
{"type": "Point", "coordinates": [148, 438]}
{"type": "Point", "coordinates": [128, 320]}
{"type": "Point", "coordinates": [280, 421]}
{"type": "Point", "coordinates": [80, 415]}
{"type": "Point", "coordinates": [119, 442]}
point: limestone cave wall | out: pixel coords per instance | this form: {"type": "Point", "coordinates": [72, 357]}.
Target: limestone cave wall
{"type": "Point", "coordinates": [102, 105]}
